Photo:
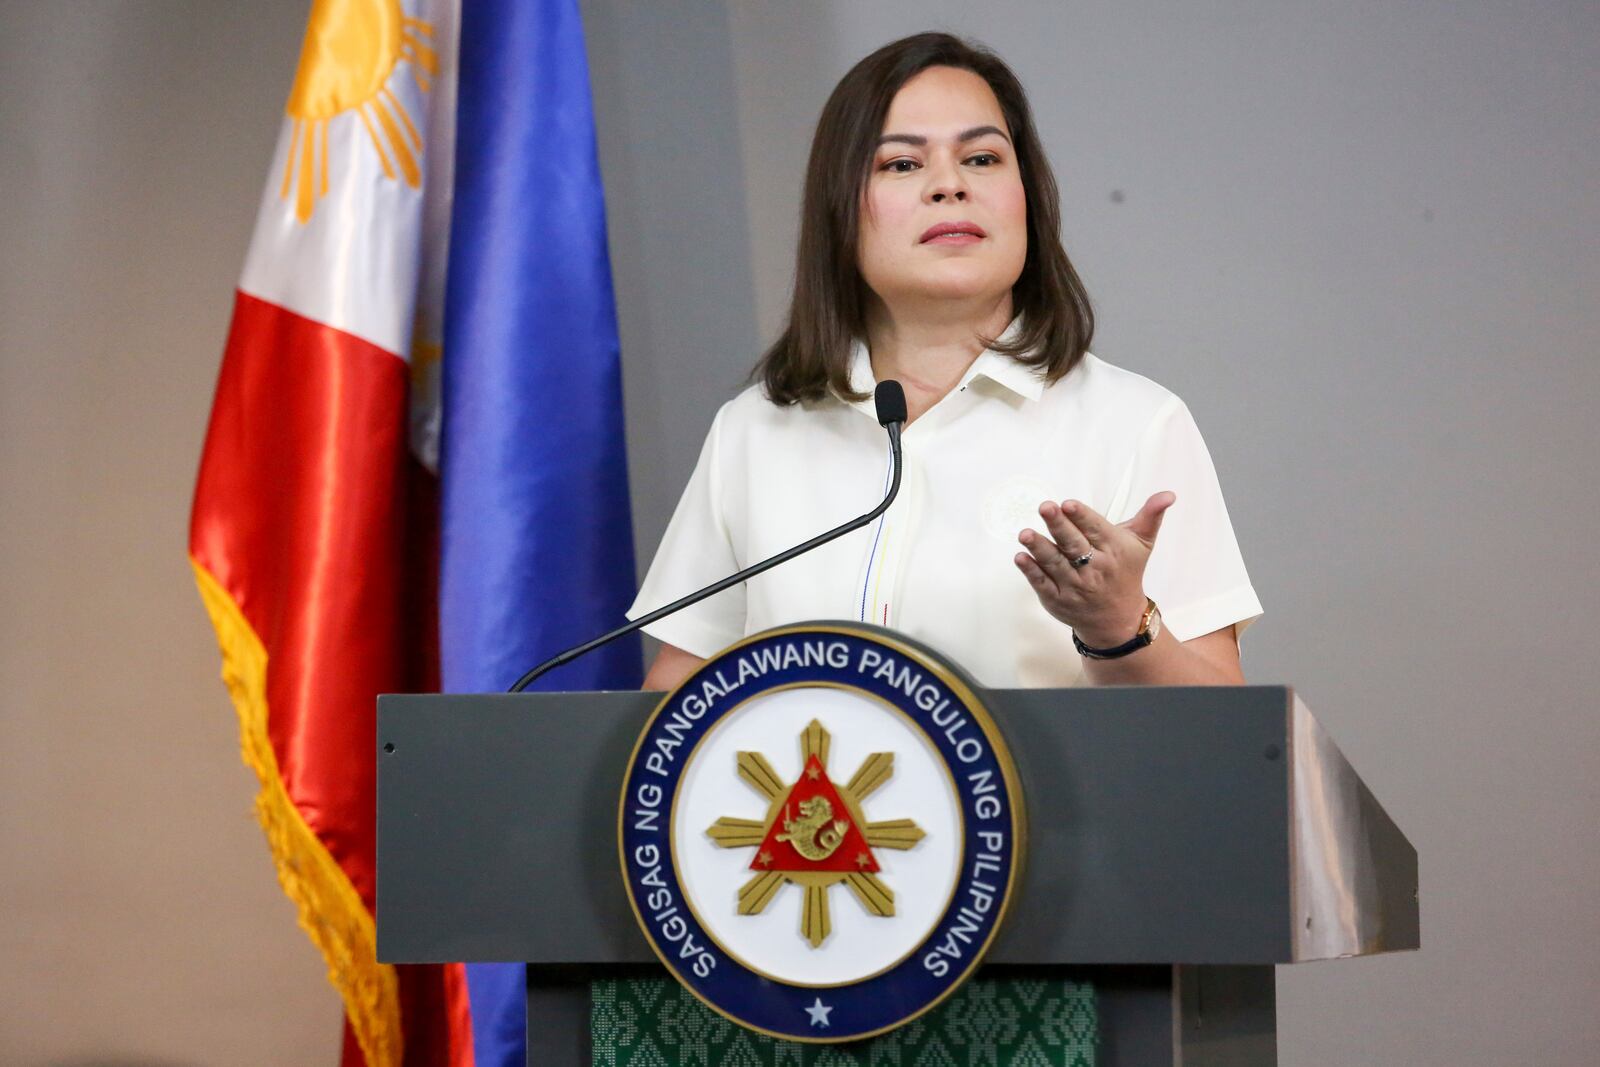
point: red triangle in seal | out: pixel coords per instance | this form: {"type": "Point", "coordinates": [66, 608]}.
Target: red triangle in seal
{"type": "Point", "coordinates": [814, 830]}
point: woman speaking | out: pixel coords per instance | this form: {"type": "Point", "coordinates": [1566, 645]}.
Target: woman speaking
{"type": "Point", "coordinates": [1060, 522]}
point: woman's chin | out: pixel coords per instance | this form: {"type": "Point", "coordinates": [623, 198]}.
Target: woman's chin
{"type": "Point", "coordinates": [964, 281]}
{"type": "Point", "coordinates": [960, 290]}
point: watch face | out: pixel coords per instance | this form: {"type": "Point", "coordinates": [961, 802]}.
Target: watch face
{"type": "Point", "coordinates": [1154, 629]}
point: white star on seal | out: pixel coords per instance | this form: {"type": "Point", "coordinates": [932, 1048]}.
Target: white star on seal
{"type": "Point", "coordinates": [818, 1012]}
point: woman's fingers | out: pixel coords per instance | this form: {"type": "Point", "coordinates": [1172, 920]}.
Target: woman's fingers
{"type": "Point", "coordinates": [1089, 522]}
{"type": "Point", "coordinates": [1042, 583]}
{"type": "Point", "coordinates": [1067, 535]}
{"type": "Point", "coordinates": [1048, 554]}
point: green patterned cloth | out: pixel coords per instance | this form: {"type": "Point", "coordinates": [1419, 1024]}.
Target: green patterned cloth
{"type": "Point", "coordinates": [988, 1022]}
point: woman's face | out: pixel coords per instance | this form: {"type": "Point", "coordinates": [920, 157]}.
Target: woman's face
{"type": "Point", "coordinates": [943, 216]}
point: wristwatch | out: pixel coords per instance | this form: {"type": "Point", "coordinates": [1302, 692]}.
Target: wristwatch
{"type": "Point", "coordinates": [1149, 630]}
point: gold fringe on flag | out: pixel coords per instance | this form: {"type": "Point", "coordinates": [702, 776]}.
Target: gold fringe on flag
{"type": "Point", "coordinates": [331, 911]}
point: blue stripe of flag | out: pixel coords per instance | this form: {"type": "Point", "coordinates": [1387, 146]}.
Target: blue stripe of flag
{"type": "Point", "coordinates": [536, 537]}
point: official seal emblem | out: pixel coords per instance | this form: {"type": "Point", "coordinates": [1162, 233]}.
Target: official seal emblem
{"type": "Point", "coordinates": [820, 830]}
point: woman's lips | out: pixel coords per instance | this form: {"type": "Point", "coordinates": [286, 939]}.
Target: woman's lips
{"type": "Point", "coordinates": [953, 233]}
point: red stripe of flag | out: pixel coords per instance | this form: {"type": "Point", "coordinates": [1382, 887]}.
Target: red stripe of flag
{"type": "Point", "coordinates": [313, 517]}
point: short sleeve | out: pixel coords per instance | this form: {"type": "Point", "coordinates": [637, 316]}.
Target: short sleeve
{"type": "Point", "coordinates": [1195, 572]}
{"type": "Point", "coordinates": [694, 552]}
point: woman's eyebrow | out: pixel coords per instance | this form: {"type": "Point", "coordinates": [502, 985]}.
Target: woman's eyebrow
{"type": "Point", "coordinates": [964, 136]}
{"type": "Point", "coordinates": [981, 131]}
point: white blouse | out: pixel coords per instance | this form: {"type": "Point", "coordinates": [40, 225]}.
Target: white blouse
{"type": "Point", "coordinates": [938, 565]}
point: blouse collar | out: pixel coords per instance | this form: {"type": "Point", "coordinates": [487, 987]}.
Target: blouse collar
{"type": "Point", "coordinates": [1001, 369]}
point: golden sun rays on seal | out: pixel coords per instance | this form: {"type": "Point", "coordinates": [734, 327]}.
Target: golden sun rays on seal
{"type": "Point", "coordinates": [350, 50]}
{"type": "Point", "coordinates": [814, 834]}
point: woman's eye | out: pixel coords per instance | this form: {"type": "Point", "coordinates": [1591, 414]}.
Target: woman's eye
{"type": "Point", "coordinates": [900, 166]}
{"type": "Point", "coordinates": [985, 159]}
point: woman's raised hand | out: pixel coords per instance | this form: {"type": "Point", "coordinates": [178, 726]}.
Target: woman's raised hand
{"type": "Point", "coordinates": [1089, 572]}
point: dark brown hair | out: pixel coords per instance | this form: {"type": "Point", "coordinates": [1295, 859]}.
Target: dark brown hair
{"type": "Point", "coordinates": [827, 312]}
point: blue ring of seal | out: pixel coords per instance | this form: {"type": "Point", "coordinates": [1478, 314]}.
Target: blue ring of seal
{"type": "Point", "coordinates": [966, 740]}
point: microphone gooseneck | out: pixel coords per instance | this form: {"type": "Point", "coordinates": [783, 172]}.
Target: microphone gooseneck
{"type": "Point", "coordinates": [890, 401]}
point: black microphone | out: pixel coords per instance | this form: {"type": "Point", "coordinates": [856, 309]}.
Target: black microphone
{"type": "Point", "coordinates": [890, 401]}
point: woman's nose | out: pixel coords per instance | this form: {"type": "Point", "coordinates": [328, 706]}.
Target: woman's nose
{"type": "Point", "coordinates": [946, 183]}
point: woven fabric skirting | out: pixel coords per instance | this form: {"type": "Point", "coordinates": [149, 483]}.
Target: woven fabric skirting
{"type": "Point", "coordinates": [988, 1022]}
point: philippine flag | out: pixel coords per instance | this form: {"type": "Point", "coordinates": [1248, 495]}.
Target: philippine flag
{"type": "Point", "coordinates": [316, 524]}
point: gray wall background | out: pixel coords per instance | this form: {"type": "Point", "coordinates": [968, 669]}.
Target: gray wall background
{"type": "Point", "coordinates": [1359, 238]}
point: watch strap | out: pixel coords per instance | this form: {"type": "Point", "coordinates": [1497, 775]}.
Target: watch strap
{"type": "Point", "coordinates": [1148, 629]}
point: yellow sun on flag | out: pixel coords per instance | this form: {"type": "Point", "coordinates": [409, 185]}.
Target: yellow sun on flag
{"type": "Point", "coordinates": [350, 50]}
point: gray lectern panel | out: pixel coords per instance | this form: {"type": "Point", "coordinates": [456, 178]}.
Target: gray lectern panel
{"type": "Point", "coordinates": [497, 827]}
{"type": "Point", "coordinates": [1159, 828]}
{"type": "Point", "coordinates": [1158, 825]}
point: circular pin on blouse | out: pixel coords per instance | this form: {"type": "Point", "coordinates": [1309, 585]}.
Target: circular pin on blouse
{"type": "Point", "coordinates": [820, 831]}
